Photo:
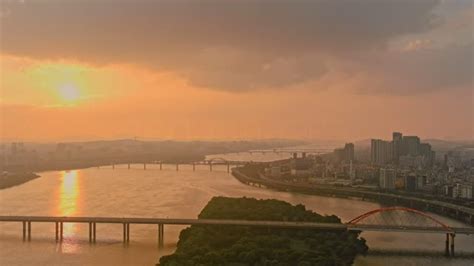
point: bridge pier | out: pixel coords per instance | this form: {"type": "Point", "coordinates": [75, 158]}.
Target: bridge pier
{"type": "Point", "coordinates": [194, 166]}
{"type": "Point", "coordinates": [161, 235]}
{"type": "Point", "coordinates": [93, 232]}
{"type": "Point", "coordinates": [24, 230]}
{"type": "Point", "coordinates": [29, 230]}
{"type": "Point", "coordinates": [56, 231]}
{"type": "Point", "coordinates": [446, 250]}
{"type": "Point", "coordinates": [144, 166]}
{"type": "Point", "coordinates": [128, 166]}
{"type": "Point", "coordinates": [126, 233]}
{"type": "Point", "coordinates": [452, 244]}
{"type": "Point", "coordinates": [61, 231]}
{"type": "Point", "coordinates": [177, 167]}
{"type": "Point", "coordinates": [210, 167]}
{"type": "Point", "coordinates": [90, 232]}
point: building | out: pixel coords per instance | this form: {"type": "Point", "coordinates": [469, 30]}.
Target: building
{"type": "Point", "coordinates": [397, 141]}
{"type": "Point", "coordinates": [405, 151]}
{"type": "Point", "coordinates": [410, 161]}
{"type": "Point", "coordinates": [301, 167]}
{"type": "Point", "coordinates": [425, 149]}
{"type": "Point", "coordinates": [411, 145]}
{"type": "Point", "coordinates": [345, 154]}
{"type": "Point", "coordinates": [464, 190]}
{"type": "Point", "coordinates": [427, 153]}
{"type": "Point", "coordinates": [339, 155]}
{"type": "Point", "coordinates": [410, 182]}
{"type": "Point", "coordinates": [387, 178]}
{"type": "Point", "coordinates": [380, 151]}
{"type": "Point", "coordinates": [421, 181]}
{"type": "Point", "coordinates": [349, 152]}
{"type": "Point", "coordinates": [449, 190]}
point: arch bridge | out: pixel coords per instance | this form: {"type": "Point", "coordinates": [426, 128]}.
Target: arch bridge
{"type": "Point", "coordinates": [392, 219]}
{"type": "Point", "coordinates": [403, 219]}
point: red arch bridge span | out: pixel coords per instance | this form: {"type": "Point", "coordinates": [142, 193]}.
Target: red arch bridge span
{"type": "Point", "coordinates": [394, 219]}
{"type": "Point", "coordinates": [401, 219]}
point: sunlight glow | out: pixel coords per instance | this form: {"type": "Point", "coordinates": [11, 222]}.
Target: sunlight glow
{"type": "Point", "coordinates": [69, 93]}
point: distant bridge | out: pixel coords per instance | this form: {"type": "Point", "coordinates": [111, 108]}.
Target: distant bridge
{"type": "Point", "coordinates": [293, 151]}
{"type": "Point", "coordinates": [208, 162]}
{"type": "Point", "coordinates": [393, 219]}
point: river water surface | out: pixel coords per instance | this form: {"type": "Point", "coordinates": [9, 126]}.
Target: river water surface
{"type": "Point", "coordinates": [136, 192]}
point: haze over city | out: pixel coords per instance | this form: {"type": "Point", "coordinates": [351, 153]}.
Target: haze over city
{"type": "Point", "coordinates": [85, 70]}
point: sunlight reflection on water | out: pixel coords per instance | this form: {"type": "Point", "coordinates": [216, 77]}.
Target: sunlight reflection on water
{"type": "Point", "coordinates": [68, 204]}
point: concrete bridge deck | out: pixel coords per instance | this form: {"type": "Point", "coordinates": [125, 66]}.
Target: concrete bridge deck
{"type": "Point", "coordinates": [270, 224]}
{"type": "Point", "coordinates": [160, 222]}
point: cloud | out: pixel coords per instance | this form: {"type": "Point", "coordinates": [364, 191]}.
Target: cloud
{"type": "Point", "coordinates": [226, 45]}
{"type": "Point", "coordinates": [414, 71]}
{"type": "Point", "coordinates": [418, 44]}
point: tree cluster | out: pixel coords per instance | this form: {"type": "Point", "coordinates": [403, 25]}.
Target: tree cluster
{"type": "Point", "coordinates": [243, 245]}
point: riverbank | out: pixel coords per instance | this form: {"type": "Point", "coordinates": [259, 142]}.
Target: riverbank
{"type": "Point", "coordinates": [251, 175]}
{"type": "Point", "coordinates": [167, 193]}
{"type": "Point", "coordinates": [15, 179]}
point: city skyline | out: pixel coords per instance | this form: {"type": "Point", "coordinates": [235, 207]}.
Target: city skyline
{"type": "Point", "coordinates": [406, 64]}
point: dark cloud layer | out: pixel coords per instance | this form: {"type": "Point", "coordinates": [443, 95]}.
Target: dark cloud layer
{"type": "Point", "coordinates": [229, 45]}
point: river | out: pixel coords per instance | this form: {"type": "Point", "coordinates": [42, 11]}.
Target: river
{"type": "Point", "coordinates": [136, 192]}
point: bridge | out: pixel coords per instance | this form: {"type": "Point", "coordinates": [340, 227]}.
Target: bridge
{"type": "Point", "coordinates": [394, 219]}
{"type": "Point", "coordinates": [316, 151]}
{"type": "Point", "coordinates": [207, 162]}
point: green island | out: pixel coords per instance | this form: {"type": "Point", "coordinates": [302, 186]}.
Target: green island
{"type": "Point", "coordinates": [242, 245]}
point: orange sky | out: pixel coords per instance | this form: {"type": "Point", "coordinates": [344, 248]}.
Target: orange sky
{"type": "Point", "coordinates": [409, 81]}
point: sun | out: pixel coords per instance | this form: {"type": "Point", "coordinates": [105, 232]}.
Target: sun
{"type": "Point", "coordinates": [69, 93]}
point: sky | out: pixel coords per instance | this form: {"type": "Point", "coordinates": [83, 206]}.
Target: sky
{"type": "Point", "coordinates": [230, 69]}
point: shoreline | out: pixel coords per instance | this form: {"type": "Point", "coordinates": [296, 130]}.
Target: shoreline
{"type": "Point", "coordinates": [16, 179]}
{"type": "Point", "coordinates": [456, 212]}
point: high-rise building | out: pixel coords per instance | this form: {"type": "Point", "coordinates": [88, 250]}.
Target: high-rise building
{"type": "Point", "coordinates": [380, 151]}
{"type": "Point", "coordinates": [397, 140]}
{"type": "Point", "coordinates": [345, 154]}
{"type": "Point", "coordinates": [411, 145]}
{"type": "Point", "coordinates": [427, 153]}
{"type": "Point", "coordinates": [349, 152]}
{"type": "Point", "coordinates": [425, 148]}
{"type": "Point", "coordinates": [405, 151]}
